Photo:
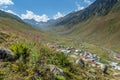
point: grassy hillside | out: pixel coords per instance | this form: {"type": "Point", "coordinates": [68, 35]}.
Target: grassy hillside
{"type": "Point", "coordinates": [98, 34]}
{"type": "Point", "coordinates": [31, 60]}
{"type": "Point", "coordinates": [24, 54]}
{"type": "Point", "coordinates": [19, 28]}
{"type": "Point", "coordinates": [99, 30]}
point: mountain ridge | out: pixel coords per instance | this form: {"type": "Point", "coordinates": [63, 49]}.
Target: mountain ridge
{"type": "Point", "coordinates": [10, 15]}
{"type": "Point", "coordinates": [98, 8]}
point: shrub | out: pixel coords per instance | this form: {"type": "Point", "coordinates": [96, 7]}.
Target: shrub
{"type": "Point", "coordinates": [21, 50]}
{"type": "Point", "coordinates": [62, 59]}
{"type": "Point", "coordinates": [59, 59]}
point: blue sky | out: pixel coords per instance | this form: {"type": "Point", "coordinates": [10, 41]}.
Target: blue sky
{"type": "Point", "coordinates": [43, 10]}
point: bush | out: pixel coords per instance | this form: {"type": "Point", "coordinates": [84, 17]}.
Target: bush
{"type": "Point", "coordinates": [62, 59]}
{"type": "Point", "coordinates": [21, 50]}
{"type": "Point", "coordinates": [59, 59]}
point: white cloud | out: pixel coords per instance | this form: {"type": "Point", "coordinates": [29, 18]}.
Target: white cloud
{"type": "Point", "coordinates": [58, 15]}
{"type": "Point", "coordinates": [6, 2]}
{"type": "Point", "coordinates": [79, 7]}
{"type": "Point", "coordinates": [88, 2]}
{"type": "Point", "coordinates": [38, 18]}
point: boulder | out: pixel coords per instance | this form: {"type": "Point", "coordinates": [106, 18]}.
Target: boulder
{"type": "Point", "coordinates": [6, 54]}
{"type": "Point", "coordinates": [55, 70]}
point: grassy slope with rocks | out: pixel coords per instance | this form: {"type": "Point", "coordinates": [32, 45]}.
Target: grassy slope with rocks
{"type": "Point", "coordinates": [31, 59]}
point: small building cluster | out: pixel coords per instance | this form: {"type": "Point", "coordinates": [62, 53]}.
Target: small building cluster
{"type": "Point", "coordinates": [92, 59]}
{"type": "Point", "coordinates": [115, 65]}
{"type": "Point", "coordinates": [88, 57]}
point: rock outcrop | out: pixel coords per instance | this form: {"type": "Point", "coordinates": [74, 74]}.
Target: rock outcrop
{"type": "Point", "coordinates": [55, 70]}
{"type": "Point", "coordinates": [6, 54]}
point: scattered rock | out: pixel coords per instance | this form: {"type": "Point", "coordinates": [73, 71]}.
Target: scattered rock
{"type": "Point", "coordinates": [74, 56]}
{"type": "Point", "coordinates": [6, 54]}
{"type": "Point", "coordinates": [93, 65]}
{"type": "Point", "coordinates": [104, 68]}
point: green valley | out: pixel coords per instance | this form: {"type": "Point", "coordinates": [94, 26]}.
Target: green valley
{"type": "Point", "coordinates": [83, 45]}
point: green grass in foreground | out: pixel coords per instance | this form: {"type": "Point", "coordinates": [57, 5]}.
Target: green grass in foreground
{"type": "Point", "coordinates": [32, 59]}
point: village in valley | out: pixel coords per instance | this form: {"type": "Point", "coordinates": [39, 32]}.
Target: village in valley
{"type": "Point", "coordinates": [81, 56]}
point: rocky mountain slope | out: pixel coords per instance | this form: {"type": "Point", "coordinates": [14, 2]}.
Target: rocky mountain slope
{"type": "Point", "coordinates": [98, 8]}
{"type": "Point", "coordinates": [98, 24]}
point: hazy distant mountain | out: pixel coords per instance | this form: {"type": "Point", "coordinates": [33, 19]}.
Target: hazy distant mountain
{"type": "Point", "coordinates": [41, 25]}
